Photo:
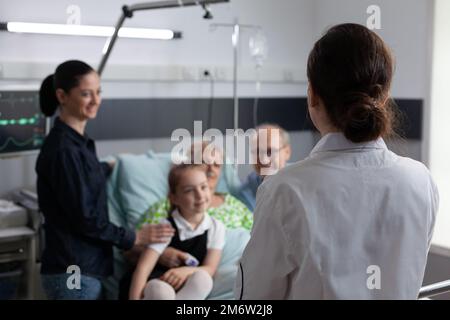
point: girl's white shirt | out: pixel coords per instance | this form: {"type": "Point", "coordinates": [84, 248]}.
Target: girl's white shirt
{"type": "Point", "coordinates": [215, 237]}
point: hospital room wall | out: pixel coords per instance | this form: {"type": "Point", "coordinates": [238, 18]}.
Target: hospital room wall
{"type": "Point", "coordinates": [26, 59]}
{"type": "Point", "coordinates": [315, 17]}
{"type": "Point", "coordinates": [291, 29]}
{"type": "Point", "coordinates": [439, 262]}
{"type": "Point", "coordinates": [199, 45]}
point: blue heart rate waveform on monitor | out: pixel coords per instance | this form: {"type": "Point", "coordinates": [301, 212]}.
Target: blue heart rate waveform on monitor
{"type": "Point", "coordinates": [22, 125]}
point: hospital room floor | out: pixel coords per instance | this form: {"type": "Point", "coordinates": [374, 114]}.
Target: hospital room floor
{"type": "Point", "coordinates": [437, 270]}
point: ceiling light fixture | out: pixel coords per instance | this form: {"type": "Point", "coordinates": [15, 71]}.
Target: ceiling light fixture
{"type": "Point", "coordinates": [92, 31]}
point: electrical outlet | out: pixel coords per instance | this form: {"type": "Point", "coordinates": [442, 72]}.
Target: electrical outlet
{"type": "Point", "coordinates": [220, 74]}
{"type": "Point", "coordinates": [189, 74]}
{"type": "Point", "coordinates": [288, 75]}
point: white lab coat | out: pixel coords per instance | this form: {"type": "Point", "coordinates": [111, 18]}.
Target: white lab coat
{"type": "Point", "coordinates": [351, 221]}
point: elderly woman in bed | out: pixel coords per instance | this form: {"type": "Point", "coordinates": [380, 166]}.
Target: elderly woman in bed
{"type": "Point", "coordinates": [224, 207]}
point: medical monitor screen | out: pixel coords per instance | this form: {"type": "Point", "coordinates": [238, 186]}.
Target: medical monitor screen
{"type": "Point", "coordinates": [22, 125]}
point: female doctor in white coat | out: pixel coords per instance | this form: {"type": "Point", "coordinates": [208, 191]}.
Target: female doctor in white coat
{"type": "Point", "coordinates": [353, 220]}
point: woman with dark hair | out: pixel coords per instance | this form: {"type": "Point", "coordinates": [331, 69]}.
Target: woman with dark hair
{"type": "Point", "coordinates": [71, 186]}
{"type": "Point", "coordinates": [353, 220]}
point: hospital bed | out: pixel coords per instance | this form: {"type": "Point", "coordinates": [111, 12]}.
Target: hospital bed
{"type": "Point", "coordinates": [138, 181]}
{"type": "Point", "coordinates": [434, 289]}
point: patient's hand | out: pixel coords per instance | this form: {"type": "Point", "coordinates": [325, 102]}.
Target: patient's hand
{"type": "Point", "coordinates": [172, 257]}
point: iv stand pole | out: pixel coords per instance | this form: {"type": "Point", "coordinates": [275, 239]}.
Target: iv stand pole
{"type": "Point", "coordinates": [235, 41]}
{"type": "Point", "coordinates": [235, 38]}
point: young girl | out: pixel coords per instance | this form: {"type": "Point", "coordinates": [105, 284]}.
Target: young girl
{"type": "Point", "coordinates": [196, 233]}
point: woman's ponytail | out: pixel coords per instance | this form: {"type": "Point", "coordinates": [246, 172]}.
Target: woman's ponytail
{"type": "Point", "coordinates": [47, 96]}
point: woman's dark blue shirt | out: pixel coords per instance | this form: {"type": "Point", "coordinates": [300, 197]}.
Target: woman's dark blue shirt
{"type": "Point", "coordinates": [71, 186]}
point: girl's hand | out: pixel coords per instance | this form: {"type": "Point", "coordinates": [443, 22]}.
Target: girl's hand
{"type": "Point", "coordinates": [176, 277]}
{"type": "Point", "coordinates": [172, 258]}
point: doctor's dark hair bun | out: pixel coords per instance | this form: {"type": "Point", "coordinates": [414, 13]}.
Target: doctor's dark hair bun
{"type": "Point", "coordinates": [67, 76]}
{"type": "Point", "coordinates": [350, 68]}
{"type": "Point", "coordinates": [362, 119]}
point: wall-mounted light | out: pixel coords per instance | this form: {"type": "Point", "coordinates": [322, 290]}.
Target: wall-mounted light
{"type": "Point", "coordinates": [93, 31]}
